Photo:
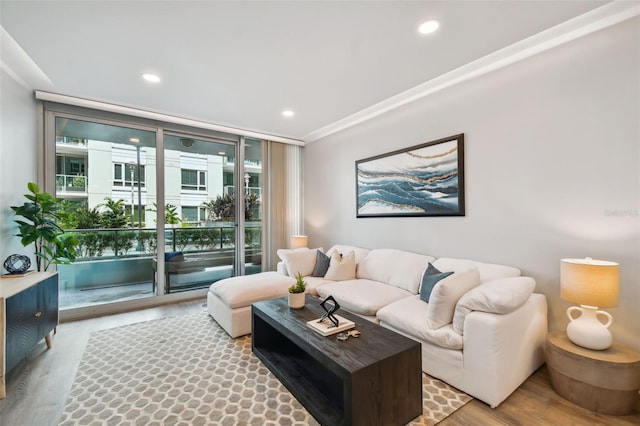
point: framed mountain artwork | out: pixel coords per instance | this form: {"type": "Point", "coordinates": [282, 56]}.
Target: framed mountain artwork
{"type": "Point", "coordinates": [422, 180]}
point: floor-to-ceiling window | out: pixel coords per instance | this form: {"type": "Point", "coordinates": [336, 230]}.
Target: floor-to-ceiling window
{"type": "Point", "coordinates": [101, 174]}
{"type": "Point", "coordinates": [156, 209]}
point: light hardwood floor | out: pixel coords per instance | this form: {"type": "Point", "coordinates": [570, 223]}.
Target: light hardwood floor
{"type": "Point", "coordinates": [37, 389]}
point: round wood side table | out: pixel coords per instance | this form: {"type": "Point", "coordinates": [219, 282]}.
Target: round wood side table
{"type": "Point", "coordinates": [606, 381]}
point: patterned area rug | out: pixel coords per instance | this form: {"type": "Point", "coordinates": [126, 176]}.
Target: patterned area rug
{"type": "Point", "coordinates": [187, 371]}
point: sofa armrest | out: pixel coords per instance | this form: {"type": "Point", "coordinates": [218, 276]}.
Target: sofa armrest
{"type": "Point", "coordinates": [502, 350]}
{"type": "Point", "coordinates": [282, 269]}
{"type": "Point", "coordinates": [499, 296]}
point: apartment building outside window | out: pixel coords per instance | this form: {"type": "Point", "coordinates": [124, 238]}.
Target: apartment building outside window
{"type": "Point", "coordinates": [193, 214]}
{"type": "Point", "coordinates": [195, 180]}
{"type": "Point", "coordinates": [127, 175]}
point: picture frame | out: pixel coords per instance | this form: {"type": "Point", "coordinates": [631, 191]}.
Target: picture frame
{"type": "Point", "coordinates": [421, 180]}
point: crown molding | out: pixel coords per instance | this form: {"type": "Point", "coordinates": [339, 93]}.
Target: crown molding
{"type": "Point", "coordinates": [137, 112]}
{"type": "Point", "coordinates": [19, 66]}
{"type": "Point", "coordinates": [605, 16]}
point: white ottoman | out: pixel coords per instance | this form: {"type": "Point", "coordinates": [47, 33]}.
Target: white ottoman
{"type": "Point", "coordinates": [229, 300]}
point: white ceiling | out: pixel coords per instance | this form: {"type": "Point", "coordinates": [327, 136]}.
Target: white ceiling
{"type": "Point", "coordinates": [240, 63]}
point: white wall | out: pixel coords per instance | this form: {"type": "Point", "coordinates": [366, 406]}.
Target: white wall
{"type": "Point", "coordinates": [18, 159]}
{"type": "Point", "coordinates": [552, 169]}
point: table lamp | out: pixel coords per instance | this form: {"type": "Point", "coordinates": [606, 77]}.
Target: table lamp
{"type": "Point", "coordinates": [592, 284]}
{"type": "Point", "coordinates": [298, 241]}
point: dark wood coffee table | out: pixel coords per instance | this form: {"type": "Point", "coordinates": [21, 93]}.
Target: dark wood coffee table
{"type": "Point", "coordinates": [375, 379]}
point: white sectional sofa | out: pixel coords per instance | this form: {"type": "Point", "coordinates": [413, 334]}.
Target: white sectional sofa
{"type": "Point", "coordinates": [482, 330]}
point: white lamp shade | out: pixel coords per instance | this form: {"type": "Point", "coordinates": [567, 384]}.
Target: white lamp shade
{"type": "Point", "coordinates": [590, 282]}
{"type": "Point", "coordinates": [298, 241]}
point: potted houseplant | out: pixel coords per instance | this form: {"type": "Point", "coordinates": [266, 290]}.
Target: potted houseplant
{"type": "Point", "coordinates": [296, 293]}
{"type": "Point", "coordinates": [39, 228]}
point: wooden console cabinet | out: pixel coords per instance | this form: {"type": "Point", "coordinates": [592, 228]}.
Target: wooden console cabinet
{"type": "Point", "coordinates": [28, 313]}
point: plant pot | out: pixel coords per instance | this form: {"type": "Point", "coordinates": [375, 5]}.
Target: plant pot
{"type": "Point", "coordinates": [296, 300]}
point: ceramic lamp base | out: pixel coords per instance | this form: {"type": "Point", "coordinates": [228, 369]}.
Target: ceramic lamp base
{"type": "Point", "coordinates": [586, 330]}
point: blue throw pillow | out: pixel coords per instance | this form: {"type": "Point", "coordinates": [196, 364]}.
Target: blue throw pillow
{"type": "Point", "coordinates": [322, 264]}
{"type": "Point", "coordinates": [174, 256]}
{"type": "Point", "coordinates": [430, 278]}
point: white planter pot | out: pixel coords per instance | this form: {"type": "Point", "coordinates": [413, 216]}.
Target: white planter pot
{"type": "Point", "coordinates": [296, 300]}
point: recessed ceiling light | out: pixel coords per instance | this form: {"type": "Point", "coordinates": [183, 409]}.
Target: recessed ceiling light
{"type": "Point", "coordinates": [134, 140]}
{"type": "Point", "coordinates": [222, 153]}
{"type": "Point", "coordinates": [287, 113]}
{"type": "Point", "coordinates": [152, 78]}
{"type": "Point", "coordinates": [428, 27]}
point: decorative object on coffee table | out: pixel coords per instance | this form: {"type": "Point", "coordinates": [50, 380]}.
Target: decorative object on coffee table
{"type": "Point", "coordinates": [330, 306]}
{"type": "Point", "coordinates": [296, 293]}
{"type": "Point", "coordinates": [327, 328]}
{"type": "Point", "coordinates": [17, 264]}
{"type": "Point", "coordinates": [329, 323]}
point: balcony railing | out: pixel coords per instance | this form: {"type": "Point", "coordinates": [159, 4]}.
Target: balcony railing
{"type": "Point", "coordinates": [71, 183]}
{"type": "Point", "coordinates": [143, 242]}
{"type": "Point", "coordinates": [229, 189]}
{"type": "Point", "coordinates": [71, 141]}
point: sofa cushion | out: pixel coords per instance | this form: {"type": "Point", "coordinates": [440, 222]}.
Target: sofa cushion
{"type": "Point", "coordinates": [237, 292]}
{"type": "Point", "coordinates": [322, 264]}
{"type": "Point", "coordinates": [360, 252]}
{"type": "Point", "coordinates": [342, 268]}
{"type": "Point", "coordinates": [408, 315]}
{"type": "Point", "coordinates": [488, 271]}
{"type": "Point", "coordinates": [300, 262]}
{"type": "Point", "coordinates": [445, 295]}
{"type": "Point", "coordinates": [498, 296]}
{"type": "Point", "coordinates": [282, 252]}
{"type": "Point", "coordinates": [363, 297]}
{"type": "Point", "coordinates": [430, 278]}
{"type": "Point", "coordinates": [398, 268]}
{"type": "Point", "coordinates": [314, 282]}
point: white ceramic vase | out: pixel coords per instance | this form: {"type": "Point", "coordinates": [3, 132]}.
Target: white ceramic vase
{"type": "Point", "coordinates": [586, 330]}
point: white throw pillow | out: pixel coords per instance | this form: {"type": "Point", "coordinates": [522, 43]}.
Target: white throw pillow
{"type": "Point", "coordinates": [499, 296]}
{"type": "Point", "coordinates": [302, 261]}
{"type": "Point", "coordinates": [342, 268]}
{"type": "Point", "coordinates": [445, 295]}
{"type": "Point", "coordinates": [283, 252]}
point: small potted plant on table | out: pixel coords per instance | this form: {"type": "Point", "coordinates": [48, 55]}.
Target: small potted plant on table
{"type": "Point", "coordinates": [296, 293]}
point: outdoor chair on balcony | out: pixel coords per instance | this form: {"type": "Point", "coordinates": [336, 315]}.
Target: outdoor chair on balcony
{"type": "Point", "coordinates": [176, 263]}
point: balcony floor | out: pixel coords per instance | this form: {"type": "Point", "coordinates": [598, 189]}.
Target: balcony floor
{"type": "Point", "coordinates": [82, 297]}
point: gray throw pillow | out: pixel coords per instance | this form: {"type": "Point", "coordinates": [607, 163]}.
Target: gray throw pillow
{"type": "Point", "coordinates": [322, 264]}
{"type": "Point", "coordinates": [430, 278]}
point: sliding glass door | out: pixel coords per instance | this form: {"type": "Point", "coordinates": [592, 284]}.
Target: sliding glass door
{"type": "Point", "coordinates": [105, 176]}
{"type": "Point", "coordinates": [157, 211]}
{"type": "Point", "coordinates": [200, 218]}
{"type": "Point", "coordinates": [205, 240]}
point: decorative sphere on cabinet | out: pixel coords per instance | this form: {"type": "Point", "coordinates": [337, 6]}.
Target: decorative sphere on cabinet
{"type": "Point", "coordinates": [17, 264]}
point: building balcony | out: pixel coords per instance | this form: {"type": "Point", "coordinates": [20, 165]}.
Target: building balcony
{"type": "Point", "coordinates": [71, 186]}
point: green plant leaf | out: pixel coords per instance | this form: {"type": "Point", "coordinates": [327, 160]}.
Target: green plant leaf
{"type": "Point", "coordinates": [33, 187]}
